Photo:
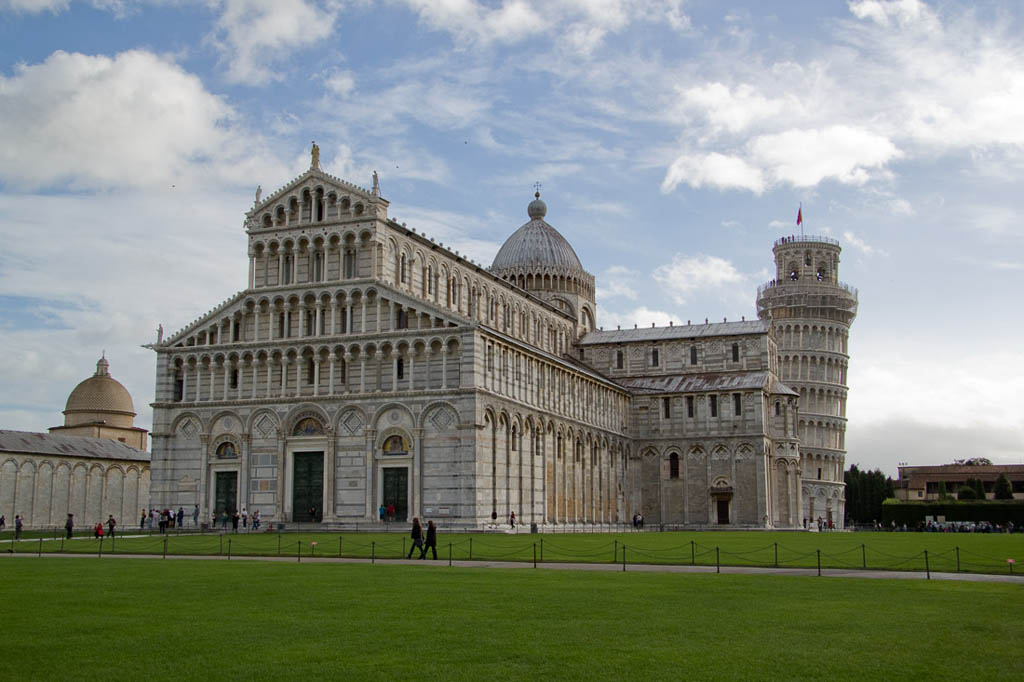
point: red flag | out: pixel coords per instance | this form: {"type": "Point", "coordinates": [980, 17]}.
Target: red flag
{"type": "Point", "coordinates": [800, 215]}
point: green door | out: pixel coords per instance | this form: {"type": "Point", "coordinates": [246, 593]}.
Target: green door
{"type": "Point", "coordinates": [396, 490]}
{"type": "Point", "coordinates": [225, 493]}
{"type": "Point", "coordinates": [308, 487]}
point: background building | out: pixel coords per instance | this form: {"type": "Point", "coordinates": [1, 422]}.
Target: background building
{"type": "Point", "coordinates": [366, 365]}
{"type": "Point", "coordinates": [924, 482]}
{"type": "Point", "coordinates": [93, 466]}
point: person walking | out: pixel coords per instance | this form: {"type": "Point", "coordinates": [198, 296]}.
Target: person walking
{"type": "Point", "coordinates": [245, 519]}
{"type": "Point", "coordinates": [512, 519]}
{"type": "Point", "coordinates": [142, 521]}
{"type": "Point", "coordinates": [19, 524]}
{"type": "Point", "coordinates": [69, 525]}
{"type": "Point", "coordinates": [431, 541]}
{"type": "Point", "coordinates": [195, 516]}
{"type": "Point", "coordinates": [381, 511]}
{"type": "Point", "coordinates": [181, 517]}
{"type": "Point", "coordinates": [235, 516]}
{"type": "Point", "coordinates": [417, 537]}
{"type": "Point", "coordinates": [111, 524]}
{"type": "Point", "coordinates": [3, 521]}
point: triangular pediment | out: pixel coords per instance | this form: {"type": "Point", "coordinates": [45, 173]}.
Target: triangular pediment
{"type": "Point", "coordinates": [317, 179]}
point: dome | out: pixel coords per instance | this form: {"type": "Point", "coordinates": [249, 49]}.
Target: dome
{"type": "Point", "coordinates": [536, 245]}
{"type": "Point", "coordinates": [99, 398]}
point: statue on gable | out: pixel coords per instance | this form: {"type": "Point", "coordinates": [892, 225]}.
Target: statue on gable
{"type": "Point", "coordinates": [316, 156]}
{"type": "Point", "coordinates": [376, 184]}
{"type": "Point", "coordinates": [259, 193]}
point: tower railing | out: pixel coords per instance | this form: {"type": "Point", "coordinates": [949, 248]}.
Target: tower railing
{"type": "Point", "coordinates": [805, 238]}
{"type": "Point", "coordinates": [806, 286]}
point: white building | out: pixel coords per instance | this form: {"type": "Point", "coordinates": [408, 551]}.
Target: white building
{"type": "Point", "coordinates": [367, 365]}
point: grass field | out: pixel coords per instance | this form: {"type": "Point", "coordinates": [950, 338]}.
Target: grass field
{"type": "Point", "coordinates": [136, 619]}
{"type": "Point", "coordinates": [977, 553]}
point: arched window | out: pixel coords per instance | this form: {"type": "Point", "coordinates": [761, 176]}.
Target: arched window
{"type": "Point", "coordinates": [673, 465]}
{"type": "Point", "coordinates": [226, 450]}
{"type": "Point", "coordinates": [735, 352]}
{"type": "Point", "coordinates": [618, 359]}
{"type": "Point", "coordinates": [693, 355]}
{"type": "Point", "coordinates": [308, 426]}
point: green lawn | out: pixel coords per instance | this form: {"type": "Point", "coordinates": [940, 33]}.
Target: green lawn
{"type": "Point", "coordinates": [979, 553]}
{"type": "Point", "coordinates": [134, 619]}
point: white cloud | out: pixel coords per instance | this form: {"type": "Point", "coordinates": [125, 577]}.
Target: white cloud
{"type": "Point", "coordinates": [136, 119]}
{"type": "Point", "coordinates": [34, 6]}
{"type": "Point", "coordinates": [340, 82]}
{"type": "Point", "coordinates": [732, 110]}
{"type": "Point", "coordinates": [861, 245]}
{"type": "Point", "coordinates": [804, 158]}
{"type": "Point", "coordinates": [901, 12]}
{"type": "Point", "coordinates": [469, 21]}
{"type": "Point", "coordinates": [617, 281]}
{"type": "Point", "coordinates": [715, 170]}
{"type": "Point", "coordinates": [255, 36]}
{"type": "Point", "coordinates": [686, 276]}
{"type": "Point", "coordinates": [637, 317]}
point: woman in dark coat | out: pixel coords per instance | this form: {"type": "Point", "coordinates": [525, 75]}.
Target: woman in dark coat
{"type": "Point", "coordinates": [417, 537]}
{"type": "Point", "coordinates": [431, 541]}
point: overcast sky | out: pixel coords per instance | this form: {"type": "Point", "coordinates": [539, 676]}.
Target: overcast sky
{"type": "Point", "coordinates": [674, 141]}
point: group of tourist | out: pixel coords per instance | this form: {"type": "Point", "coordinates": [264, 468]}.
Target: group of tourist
{"type": "Point", "coordinates": [638, 521]}
{"type": "Point", "coordinates": [236, 517]}
{"type": "Point", "coordinates": [386, 514]}
{"type": "Point", "coordinates": [423, 543]}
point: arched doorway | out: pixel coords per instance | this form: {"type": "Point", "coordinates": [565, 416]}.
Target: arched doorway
{"type": "Point", "coordinates": [394, 478]}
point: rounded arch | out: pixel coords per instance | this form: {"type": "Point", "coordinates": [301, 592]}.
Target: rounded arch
{"type": "Point", "coordinates": [303, 411]}
{"type": "Point", "coordinates": [384, 409]}
{"type": "Point", "coordinates": [255, 417]}
{"type": "Point", "coordinates": [430, 407]}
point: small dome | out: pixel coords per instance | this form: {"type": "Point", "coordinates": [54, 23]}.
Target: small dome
{"type": "Point", "coordinates": [99, 398]}
{"type": "Point", "coordinates": [536, 245]}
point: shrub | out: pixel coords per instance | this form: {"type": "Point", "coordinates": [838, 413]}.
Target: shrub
{"type": "Point", "coordinates": [966, 493]}
{"type": "Point", "coordinates": [1003, 490]}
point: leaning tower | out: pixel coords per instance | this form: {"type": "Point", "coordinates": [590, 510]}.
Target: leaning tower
{"type": "Point", "coordinates": [811, 312]}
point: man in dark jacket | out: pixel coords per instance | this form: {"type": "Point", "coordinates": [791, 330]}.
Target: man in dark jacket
{"type": "Point", "coordinates": [69, 526]}
{"type": "Point", "coordinates": [431, 541]}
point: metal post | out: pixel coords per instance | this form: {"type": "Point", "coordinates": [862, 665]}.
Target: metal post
{"type": "Point", "coordinates": [339, 546]}
{"type": "Point", "coordinates": [229, 549]}
{"type": "Point", "coordinates": [403, 548]}
{"type": "Point", "coordinates": [62, 544]}
{"type": "Point", "coordinates": [927, 569]}
{"type": "Point", "coordinates": [221, 550]}
{"type": "Point", "coordinates": [958, 560]}
{"type": "Point", "coordinates": [542, 551]}
{"type": "Point", "coordinates": [623, 558]}
{"type": "Point", "coordinates": [819, 562]}
{"type": "Point", "coordinates": [101, 546]}
{"type": "Point", "coordinates": [373, 552]}
{"type": "Point", "coordinates": [278, 543]}
{"type": "Point", "coordinates": [470, 548]}
{"type": "Point", "coordinates": [616, 557]}
{"type": "Point", "coordinates": [718, 560]}
{"type": "Point", "coordinates": [40, 547]}
{"type": "Point", "coordinates": [535, 555]}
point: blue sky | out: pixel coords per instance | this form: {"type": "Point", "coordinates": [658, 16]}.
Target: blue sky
{"type": "Point", "coordinates": [673, 140]}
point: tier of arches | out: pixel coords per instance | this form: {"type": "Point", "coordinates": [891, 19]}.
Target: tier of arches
{"type": "Point", "coordinates": [309, 205]}
{"type": "Point", "coordinates": [807, 367]}
{"type": "Point", "coordinates": [406, 364]}
{"type": "Point", "coordinates": [822, 466]}
{"type": "Point", "coordinates": [43, 491]}
{"type": "Point", "coordinates": [550, 279]}
{"type": "Point", "coordinates": [826, 402]}
{"type": "Point", "coordinates": [798, 337]}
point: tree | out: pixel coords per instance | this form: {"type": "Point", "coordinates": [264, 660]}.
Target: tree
{"type": "Point", "coordinates": [966, 492]}
{"type": "Point", "coordinates": [978, 485]}
{"type": "Point", "coordinates": [865, 492]}
{"type": "Point", "coordinates": [974, 462]}
{"type": "Point", "coordinates": [943, 492]}
{"type": "Point", "coordinates": [1002, 489]}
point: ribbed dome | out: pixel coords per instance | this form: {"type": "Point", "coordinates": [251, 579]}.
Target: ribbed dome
{"type": "Point", "coordinates": [536, 245]}
{"type": "Point", "coordinates": [98, 396]}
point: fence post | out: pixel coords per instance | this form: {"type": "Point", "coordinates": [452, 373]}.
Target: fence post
{"type": "Point", "coordinates": [40, 547]}
{"type": "Point", "coordinates": [229, 549]}
{"type": "Point", "coordinates": [927, 569]}
{"type": "Point", "coordinates": [863, 556]}
{"type": "Point", "coordinates": [819, 563]}
{"type": "Point", "coordinates": [165, 547]}
{"type": "Point", "coordinates": [535, 554]}
{"type": "Point", "coordinates": [221, 550]}
{"type": "Point", "coordinates": [449, 554]}
{"type": "Point", "coordinates": [471, 548]}
{"type": "Point", "coordinates": [542, 551]}
{"type": "Point", "coordinates": [623, 558]}
{"type": "Point", "coordinates": [718, 560]}
{"type": "Point", "coordinates": [614, 559]}
{"type": "Point", "coordinates": [278, 543]}
{"type": "Point", "coordinates": [776, 555]}
{"type": "Point", "coordinates": [373, 551]}
{"type": "Point", "coordinates": [958, 558]}
{"type": "Point", "coordinates": [62, 544]}
{"type": "Point", "coordinates": [403, 547]}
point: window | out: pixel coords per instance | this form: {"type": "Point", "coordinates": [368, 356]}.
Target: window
{"type": "Point", "coordinates": [778, 408]}
{"type": "Point", "coordinates": [401, 319]}
{"type": "Point", "coordinates": [673, 465]}
{"type": "Point", "coordinates": [403, 268]}
{"type": "Point", "coordinates": [350, 263]}
{"type": "Point", "coordinates": [666, 407]}
{"type": "Point", "coordinates": [310, 372]}
{"type": "Point", "coordinates": [693, 355]}
{"type": "Point", "coordinates": [179, 389]}
{"type": "Point", "coordinates": [819, 473]}
{"type": "Point", "coordinates": [713, 401]}
{"type": "Point", "coordinates": [689, 406]}
{"type": "Point", "coordinates": [234, 378]}
{"type": "Point", "coordinates": [308, 426]}
{"type": "Point", "coordinates": [235, 331]}
{"type": "Point", "coordinates": [401, 368]}
{"type": "Point", "coordinates": [654, 357]}
{"type": "Point", "coordinates": [280, 326]}
{"type": "Point", "coordinates": [737, 404]}
{"type": "Point", "coordinates": [735, 352]}
{"type": "Point", "coordinates": [226, 450]}
{"type": "Point", "coordinates": [618, 359]}
{"type": "Point", "coordinates": [310, 322]}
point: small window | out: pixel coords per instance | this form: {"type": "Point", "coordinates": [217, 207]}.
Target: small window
{"type": "Point", "coordinates": [737, 404]}
{"type": "Point", "coordinates": [234, 378]}
{"type": "Point", "coordinates": [179, 389]}
{"type": "Point", "coordinates": [618, 360]}
{"type": "Point", "coordinates": [714, 405]}
{"type": "Point", "coordinates": [122, 440]}
{"type": "Point", "coordinates": [778, 408]}
{"type": "Point", "coordinates": [693, 355]}
{"type": "Point", "coordinates": [689, 406]}
{"type": "Point", "coordinates": [401, 368]}
{"type": "Point", "coordinates": [819, 473]}
{"type": "Point", "coordinates": [654, 357]}
{"type": "Point", "coordinates": [735, 352]}
{"type": "Point", "coordinates": [666, 407]}
{"type": "Point", "coordinates": [310, 372]}
{"type": "Point", "coordinates": [401, 319]}
{"type": "Point", "coordinates": [673, 465]}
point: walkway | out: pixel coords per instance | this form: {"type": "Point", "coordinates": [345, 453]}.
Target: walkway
{"type": "Point", "coordinates": [563, 566]}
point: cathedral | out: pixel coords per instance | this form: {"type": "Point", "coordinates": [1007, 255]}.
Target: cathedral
{"type": "Point", "coordinates": [366, 366]}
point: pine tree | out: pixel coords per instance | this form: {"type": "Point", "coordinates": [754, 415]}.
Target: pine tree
{"type": "Point", "coordinates": [1003, 490]}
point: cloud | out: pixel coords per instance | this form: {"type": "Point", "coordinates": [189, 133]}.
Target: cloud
{"type": "Point", "coordinates": [686, 276]}
{"type": "Point", "coordinates": [256, 36]}
{"type": "Point", "coordinates": [732, 110]}
{"type": "Point", "coordinates": [339, 82]}
{"type": "Point", "coordinates": [136, 119]}
{"type": "Point", "coordinates": [470, 22]}
{"type": "Point", "coordinates": [617, 281]}
{"type": "Point", "coordinates": [715, 170]}
{"type": "Point", "coordinates": [803, 158]}
{"type": "Point", "coordinates": [34, 6]}
{"type": "Point", "coordinates": [862, 246]}
{"type": "Point", "coordinates": [638, 317]}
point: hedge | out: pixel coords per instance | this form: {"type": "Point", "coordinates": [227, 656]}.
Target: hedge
{"type": "Point", "coordinates": [993, 511]}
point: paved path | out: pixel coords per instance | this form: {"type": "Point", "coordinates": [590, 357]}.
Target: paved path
{"type": "Point", "coordinates": [564, 566]}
